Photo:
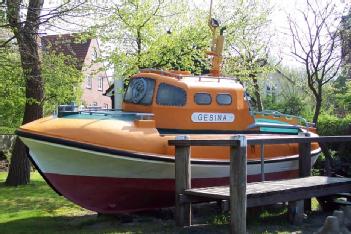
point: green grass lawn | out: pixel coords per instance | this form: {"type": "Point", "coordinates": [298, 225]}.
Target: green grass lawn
{"type": "Point", "coordinates": [35, 208]}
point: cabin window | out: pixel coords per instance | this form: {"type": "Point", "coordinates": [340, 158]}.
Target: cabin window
{"type": "Point", "coordinates": [140, 91]}
{"type": "Point", "coordinates": [203, 98]}
{"type": "Point", "coordinates": [224, 99]}
{"type": "Point", "coordinates": [169, 95]}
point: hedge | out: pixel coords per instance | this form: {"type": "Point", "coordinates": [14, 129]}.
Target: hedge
{"type": "Point", "coordinates": [7, 130]}
{"type": "Point", "coordinates": [329, 125]}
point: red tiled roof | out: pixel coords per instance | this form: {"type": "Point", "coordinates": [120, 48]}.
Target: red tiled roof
{"type": "Point", "coordinates": [68, 44]}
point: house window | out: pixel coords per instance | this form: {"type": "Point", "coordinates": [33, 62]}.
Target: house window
{"type": "Point", "coordinates": [169, 95]}
{"type": "Point", "coordinates": [203, 98]}
{"type": "Point", "coordinates": [105, 106]}
{"type": "Point", "coordinates": [95, 104]}
{"type": "Point", "coordinates": [100, 83]}
{"type": "Point", "coordinates": [89, 82]}
{"type": "Point", "coordinates": [94, 55]}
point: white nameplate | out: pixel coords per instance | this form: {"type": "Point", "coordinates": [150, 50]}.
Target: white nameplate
{"type": "Point", "coordinates": [208, 117]}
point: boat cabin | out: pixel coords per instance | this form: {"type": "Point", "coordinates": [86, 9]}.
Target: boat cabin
{"type": "Point", "coordinates": [181, 101]}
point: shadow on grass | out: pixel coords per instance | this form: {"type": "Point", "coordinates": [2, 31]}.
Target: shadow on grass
{"type": "Point", "coordinates": [94, 224]}
{"type": "Point", "coordinates": [274, 219]}
{"type": "Point", "coordinates": [36, 195]}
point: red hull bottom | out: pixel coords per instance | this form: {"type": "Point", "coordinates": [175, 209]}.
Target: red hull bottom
{"type": "Point", "coordinates": [115, 195]}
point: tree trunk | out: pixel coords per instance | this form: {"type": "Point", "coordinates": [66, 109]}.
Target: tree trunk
{"type": "Point", "coordinates": [317, 110]}
{"type": "Point", "coordinates": [26, 37]}
{"type": "Point", "coordinates": [257, 92]}
{"type": "Point", "coordinates": [328, 158]}
{"type": "Point", "coordinates": [20, 166]}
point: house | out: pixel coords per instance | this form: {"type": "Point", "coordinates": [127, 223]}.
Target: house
{"type": "Point", "coordinates": [278, 85]}
{"type": "Point", "coordinates": [86, 53]}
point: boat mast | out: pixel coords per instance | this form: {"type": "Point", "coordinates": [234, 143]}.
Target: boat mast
{"type": "Point", "coordinates": [217, 44]}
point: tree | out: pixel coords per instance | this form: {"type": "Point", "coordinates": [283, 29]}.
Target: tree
{"type": "Point", "coordinates": [149, 34]}
{"type": "Point", "coordinates": [130, 26]}
{"type": "Point", "coordinates": [25, 34]}
{"type": "Point", "coordinates": [291, 96]}
{"type": "Point", "coordinates": [318, 49]}
{"type": "Point", "coordinates": [12, 91]}
{"type": "Point", "coordinates": [183, 49]}
{"type": "Point", "coordinates": [248, 40]}
{"type": "Point", "coordinates": [62, 84]}
{"type": "Point", "coordinates": [23, 21]}
{"type": "Point", "coordinates": [62, 81]}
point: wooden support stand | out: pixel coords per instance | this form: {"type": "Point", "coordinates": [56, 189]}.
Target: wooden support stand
{"type": "Point", "coordinates": [238, 180]}
{"type": "Point", "coordinates": [296, 209]}
{"type": "Point", "coordinates": [242, 195]}
{"type": "Point", "coordinates": [183, 182]}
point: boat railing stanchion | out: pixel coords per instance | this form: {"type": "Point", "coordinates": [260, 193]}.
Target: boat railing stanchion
{"type": "Point", "coordinates": [262, 162]}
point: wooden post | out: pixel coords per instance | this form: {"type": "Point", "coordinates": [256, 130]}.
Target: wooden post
{"type": "Point", "coordinates": [238, 186]}
{"type": "Point", "coordinates": [262, 163]}
{"type": "Point", "coordinates": [305, 166]}
{"type": "Point", "coordinates": [304, 159]}
{"type": "Point", "coordinates": [183, 182]}
{"type": "Point", "coordinates": [296, 212]}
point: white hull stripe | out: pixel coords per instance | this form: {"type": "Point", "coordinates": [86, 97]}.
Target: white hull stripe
{"type": "Point", "coordinates": [144, 156]}
{"type": "Point", "coordinates": [66, 160]}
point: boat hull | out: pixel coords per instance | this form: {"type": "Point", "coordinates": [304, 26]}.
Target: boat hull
{"type": "Point", "coordinates": [120, 181]}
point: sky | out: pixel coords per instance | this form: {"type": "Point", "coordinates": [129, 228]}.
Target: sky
{"type": "Point", "coordinates": [282, 8]}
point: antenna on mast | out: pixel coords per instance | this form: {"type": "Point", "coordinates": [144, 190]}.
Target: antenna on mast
{"type": "Point", "coordinates": [216, 45]}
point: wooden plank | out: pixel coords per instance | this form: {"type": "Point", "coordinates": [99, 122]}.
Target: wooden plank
{"type": "Point", "coordinates": [293, 139]}
{"type": "Point", "coordinates": [271, 192]}
{"type": "Point", "coordinates": [238, 181]}
{"type": "Point", "coordinates": [296, 194]}
{"type": "Point", "coordinates": [183, 182]}
{"type": "Point", "coordinates": [264, 139]}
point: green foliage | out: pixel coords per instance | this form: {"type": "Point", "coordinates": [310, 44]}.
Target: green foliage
{"type": "Point", "coordinates": [329, 125]}
{"type": "Point", "coordinates": [293, 105]}
{"type": "Point", "coordinates": [7, 130]}
{"type": "Point", "coordinates": [62, 81]}
{"type": "Point", "coordinates": [248, 39]}
{"type": "Point", "coordinates": [148, 36]}
{"type": "Point", "coordinates": [12, 91]}
{"type": "Point", "coordinates": [342, 96]}
{"type": "Point", "coordinates": [181, 50]}
{"type": "Point", "coordinates": [62, 85]}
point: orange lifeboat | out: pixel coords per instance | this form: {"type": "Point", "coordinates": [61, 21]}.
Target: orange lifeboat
{"type": "Point", "coordinates": [112, 161]}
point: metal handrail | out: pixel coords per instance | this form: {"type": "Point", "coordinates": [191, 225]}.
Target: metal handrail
{"type": "Point", "coordinates": [279, 114]}
{"type": "Point", "coordinates": [106, 112]}
{"type": "Point", "coordinates": [180, 76]}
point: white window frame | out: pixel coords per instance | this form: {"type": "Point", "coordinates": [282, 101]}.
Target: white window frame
{"type": "Point", "coordinates": [100, 83]}
{"type": "Point", "coordinates": [89, 84]}
{"type": "Point", "coordinates": [94, 55]}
